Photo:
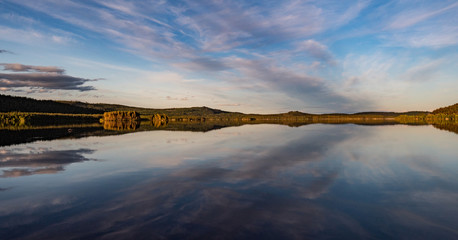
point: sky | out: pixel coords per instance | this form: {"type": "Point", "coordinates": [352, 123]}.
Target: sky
{"type": "Point", "coordinates": [247, 56]}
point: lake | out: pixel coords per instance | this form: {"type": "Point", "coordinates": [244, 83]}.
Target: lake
{"type": "Point", "coordinates": [318, 181]}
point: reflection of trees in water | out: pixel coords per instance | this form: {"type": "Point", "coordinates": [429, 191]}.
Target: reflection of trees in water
{"type": "Point", "coordinates": [159, 120]}
{"type": "Point", "coordinates": [32, 134]}
{"type": "Point", "coordinates": [29, 120]}
{"type": "Point", "coordinates": [15, 135]}
{"type": "Point", "coordinates": [448, 127]}
{"type": "Point", "coordinates": [439, 121]}
{"type": "Point", "coordinates": [121, 125]}
{"type": "Point", "coordinates": [158, 124]}
{"type": "Point", "coordinates": [121, 116]}
{"type": "Point", "coordinates": [14, 164]}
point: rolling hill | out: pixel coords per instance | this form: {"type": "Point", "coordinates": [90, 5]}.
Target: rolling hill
{"type": "Point", "coordinates": [24, 104]}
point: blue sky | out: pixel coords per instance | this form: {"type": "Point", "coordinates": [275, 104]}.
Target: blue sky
{"type": "Point", "coordinates": [247, 56]}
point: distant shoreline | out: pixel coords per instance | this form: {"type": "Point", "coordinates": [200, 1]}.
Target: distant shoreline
{"type": "Point", "coordinates": [21, 111]}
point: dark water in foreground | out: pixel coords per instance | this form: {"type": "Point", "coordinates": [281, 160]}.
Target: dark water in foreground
{"type": "Point", "coordinates": [248, 182]}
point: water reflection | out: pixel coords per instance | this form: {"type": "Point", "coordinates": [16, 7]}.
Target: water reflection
{"type": "Point", "coordinates": [253, 182]}
{"type": "Point", "coordinates": [17, 135]}
{"type": "Point", "coordinates": [121, 125]}
{"type": "Point", "coordinates": [27, 135]}
{"type": "Point", "coordinates": [451, 127]}
{"type": "Point", "coordinates": [38, 161]}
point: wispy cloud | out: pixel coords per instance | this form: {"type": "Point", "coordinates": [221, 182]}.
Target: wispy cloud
{"type": "Point", "coordinates": [295, 49]}
{"type": "Point", "coordinates": [411, 17]}
{"type": "Point", "coordinates": [430, 24]}
{"type": "Point", "coordinates": [17, 67]}
{"type": "Point", "coordinates": [426, 36]}
{"type": "Point", "coordinates": [5, 51]}
{"type": "Point", "coordinates": [426, 71]}
{"type": "Point", "coordinates": [203, 64]}
{"type": "Point", "coordinates": [229, 104]}
{"type": "Point", "coordinates": [197, 37]}
{"type": "Point", "coordinates": [316, 50]}
{"type": "Point", "coordinates": [194, 28]}
{"type": "Point", "coordinates": [34, 36]}
{"type": "Point", "coordinates": [177, 98]}
{"type": "Point", "coordinates": [295, 85]}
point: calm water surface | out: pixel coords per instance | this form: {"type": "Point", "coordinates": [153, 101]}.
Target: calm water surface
{"type": "Point", "coordinates": [249, 182]}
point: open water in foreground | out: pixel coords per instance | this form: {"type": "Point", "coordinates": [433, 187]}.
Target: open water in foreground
{"type": "Point", "coordinates": [316, 181]}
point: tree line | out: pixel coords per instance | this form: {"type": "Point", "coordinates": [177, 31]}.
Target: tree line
{"type": "Point", "coordinates": [23, 104]}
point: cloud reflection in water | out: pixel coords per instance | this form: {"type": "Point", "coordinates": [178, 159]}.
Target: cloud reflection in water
{"type": "Point", "coordinates": [337, 182]}
{"type": "Point", "coordinates": [39, 162]}
{"type": "Point", "coordinates": [241, 195]}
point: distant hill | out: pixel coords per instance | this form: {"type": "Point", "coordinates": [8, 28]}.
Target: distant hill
{"type": "Point", "coordinates": [379, 114]}
{"type": "Point", "coordinates": [452, 109]}
{"type": "Point", "coordinates": [148, 111]}
{"type": "Point", "coordinates": [393, 114]}
{"type": "Point", "coordinates": [23, 104]}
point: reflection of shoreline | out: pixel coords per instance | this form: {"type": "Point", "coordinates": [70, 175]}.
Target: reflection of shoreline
{"type": "Point", "coordinates": [121, 125]}
{"type": "Point", "coordinates": [17, 135]}
{"type": "Point", "coordinates": [32, 127]}
{"type": "Point", "coordinates": [447, 127]}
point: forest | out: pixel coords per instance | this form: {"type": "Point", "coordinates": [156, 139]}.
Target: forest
{"type": "Point", "coordinates": [452, 109]}
{"type": "Point", "coordinates": [23, 104]}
